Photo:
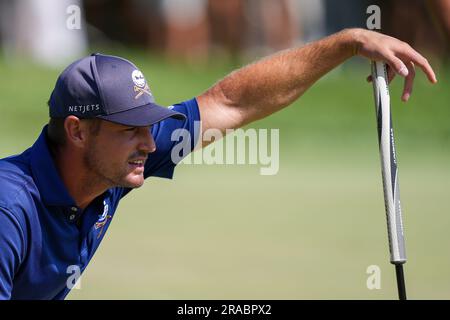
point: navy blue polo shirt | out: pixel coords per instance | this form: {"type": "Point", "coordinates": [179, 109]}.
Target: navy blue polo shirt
{"type": "Point", "coordinates": [44, 237]}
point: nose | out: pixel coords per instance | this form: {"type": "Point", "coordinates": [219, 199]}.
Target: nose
{"type": "Point", "coordinates": [147, 143]}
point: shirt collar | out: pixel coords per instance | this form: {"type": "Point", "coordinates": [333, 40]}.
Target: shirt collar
{"type": "Point", "coordinates": [51, 187]}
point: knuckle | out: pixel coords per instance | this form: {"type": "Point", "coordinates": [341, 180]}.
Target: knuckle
{"type": "Point", "coordinates": [407, 46]}
{"type": "Point", "coordinates": [395, 62]}
{"type": "Point", "coordinates": [421, 60]}
{"type": "Point", "coordinates": [399, 65]}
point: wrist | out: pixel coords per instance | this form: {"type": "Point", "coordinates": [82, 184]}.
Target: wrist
{"type": "Point", "coordinates": [354, 40]}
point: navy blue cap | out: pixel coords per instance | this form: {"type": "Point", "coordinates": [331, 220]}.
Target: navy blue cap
{"type": "Point", "coordinates": [107, 87]}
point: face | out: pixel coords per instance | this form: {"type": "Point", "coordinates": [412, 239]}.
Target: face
{"type": "Point", "coordinates": [117, 154]}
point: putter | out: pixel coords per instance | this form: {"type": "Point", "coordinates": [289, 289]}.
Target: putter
{"type": "Point", "coordinates": [389, 173]}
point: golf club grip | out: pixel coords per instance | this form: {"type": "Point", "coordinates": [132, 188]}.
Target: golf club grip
{"type": "Point", "coordinates": [388, 163]}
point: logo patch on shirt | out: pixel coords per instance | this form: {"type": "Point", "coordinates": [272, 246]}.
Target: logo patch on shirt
{"type": "Point", "coordinates": [103, 219]}
{"type": "Point", "coordinates": [140, 84]}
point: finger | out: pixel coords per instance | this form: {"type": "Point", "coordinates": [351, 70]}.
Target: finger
{"type": "Point", "coordinates": [390, 73]}
{"type": "Point", "coordinates": [409, 81]}
{"type": "Point", "coordinates": [425, 66]}
{"type": "Point", "coordinates": [419, 60]}
{"type": "Point", "coordinates": [397, 65]}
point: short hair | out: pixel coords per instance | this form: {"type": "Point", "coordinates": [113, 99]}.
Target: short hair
{"type": "Point", "coordinates": [57, 134]}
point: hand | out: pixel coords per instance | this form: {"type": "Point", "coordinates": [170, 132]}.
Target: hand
{"type": "Point", "coordinates": [400, 57]}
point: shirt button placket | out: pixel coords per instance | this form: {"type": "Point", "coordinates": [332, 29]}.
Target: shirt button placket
{"type": "Point", "coordinates": [73, 214]}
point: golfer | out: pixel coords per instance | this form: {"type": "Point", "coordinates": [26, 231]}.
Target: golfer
{"type": "Point", "coordinates": [106, 135]}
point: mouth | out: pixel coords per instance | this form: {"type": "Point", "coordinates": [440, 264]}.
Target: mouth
{"type": "Point", "coordinates": [137, 164]}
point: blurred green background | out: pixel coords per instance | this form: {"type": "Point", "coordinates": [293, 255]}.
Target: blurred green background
{"type": "Point", "coordinates": [309, 232]}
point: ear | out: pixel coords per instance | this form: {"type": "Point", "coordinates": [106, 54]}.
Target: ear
{"type": "Point", "coordinates": [76, 131]}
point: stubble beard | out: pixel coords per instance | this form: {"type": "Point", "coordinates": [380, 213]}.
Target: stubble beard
{"type": "Point", "coordinates": [101, 174]}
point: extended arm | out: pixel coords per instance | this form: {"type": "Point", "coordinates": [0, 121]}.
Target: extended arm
{"type": "Point", "coordinates": [262, 88]}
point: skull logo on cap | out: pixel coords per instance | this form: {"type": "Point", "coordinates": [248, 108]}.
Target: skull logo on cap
{"type": "Point", "coordinates": [138, 78]}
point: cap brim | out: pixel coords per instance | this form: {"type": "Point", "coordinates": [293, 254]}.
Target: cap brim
{"type": "Point", "coordinates": [143, 116]}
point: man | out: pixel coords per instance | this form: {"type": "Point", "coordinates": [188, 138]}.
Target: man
{"type": "Point", "coordinates": [106, 135]}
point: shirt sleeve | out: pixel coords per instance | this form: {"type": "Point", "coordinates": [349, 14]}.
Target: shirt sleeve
{"type": "Point", "coordinates": [11, 251]}
{"type": "Point", "coordinates": [174, 140]}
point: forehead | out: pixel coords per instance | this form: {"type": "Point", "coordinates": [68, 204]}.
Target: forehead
{"type": "Point", "coordinates": [108, 125]}
{"type": "Point", "coordinates": [112, 126]}
{"type": "Point", "coordinates": [106, 128]}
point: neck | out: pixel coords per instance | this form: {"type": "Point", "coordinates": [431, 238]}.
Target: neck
{"type": "Point", "coordinates": [82, 187]}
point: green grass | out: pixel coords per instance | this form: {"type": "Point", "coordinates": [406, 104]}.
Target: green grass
{"type": "Point", "coordinates": [311, 231]}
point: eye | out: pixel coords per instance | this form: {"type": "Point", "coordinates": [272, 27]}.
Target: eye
{"type": "Point", "coordinates": [131, 129]}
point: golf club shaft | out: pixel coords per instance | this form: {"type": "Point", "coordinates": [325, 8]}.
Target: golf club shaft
{"type": "Point", "coordinates": [400, 282]}
{"type": "Point", "coordinates": [389, 172]}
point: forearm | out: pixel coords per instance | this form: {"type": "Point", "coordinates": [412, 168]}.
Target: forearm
{"type": "Point", "coordinates": [272, 83]}
{"type": "Point", "coordinates": [264, 87]}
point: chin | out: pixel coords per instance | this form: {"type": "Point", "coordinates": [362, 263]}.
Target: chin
{"type": "Point", "coordinates": [133, 182]}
